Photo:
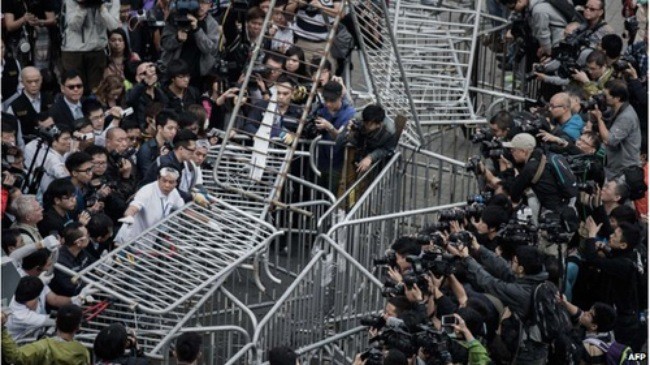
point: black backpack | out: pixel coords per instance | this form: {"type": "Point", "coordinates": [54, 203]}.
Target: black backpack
{"type": "Point", "coordinates": [564, 177]}
{"type": "Point", "coordinates": [567, 10]}
{"type": "Point", "coordinates": [554, 324]}
{"type": "Point", "coordinates": [635, 180]}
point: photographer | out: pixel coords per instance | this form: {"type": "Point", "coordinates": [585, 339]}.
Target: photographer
{"type": "Point", "coordinates": [238, 40]}
{"type": "Point", "coordinates": [85, 27]}
{"type": "Point", "coordinates": [488, 226]}
{"type": "Point", "coordinates": [534, 172]}
{"type": "Point", "coordinates": [45, 156]}
{"type": "Point", "coordinates": [166, 129]}
{"type": "Point", "coordinates": [638, 89]}
{"type": "Point", "coordinates": [598, 73]}
{"type": "Point", "coordinates": [26, 22]}
{"type": "Point", "coordinates": [191, 35]}
{"type": "Point", "coordinates": [111, 345]}
{"type": "Point", "coordinates": [120, 167]}
{"type": "Point", "coordinates": [597, 27]}
{"type": "Point", "coordinates": [513, 284]}
{"type": "Point", "coordinates": [622, 138]}
{"type": "Point", "coordinates": [374, 138]}
{"type": "Point", "coordinates": [567, 123]}
{"type": "Point", "coordinates": [145, 91]}
{"type": "Point", "coordinates": [80, 165]}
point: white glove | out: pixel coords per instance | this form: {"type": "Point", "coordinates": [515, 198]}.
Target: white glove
{"type": "Point", "coordinates": [85, 296]}
{"type": "Point", "coordinates": [46, 278]}
{"type": "Point", "coordinates": [51, 242]}
{"type": "Point", "coordinates": [127, 220]}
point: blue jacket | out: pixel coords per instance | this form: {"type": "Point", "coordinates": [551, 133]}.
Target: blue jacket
{"type": "Point", "coordinates": [338, 120]}
{"type": "Point", "coordinates": [573, 127]}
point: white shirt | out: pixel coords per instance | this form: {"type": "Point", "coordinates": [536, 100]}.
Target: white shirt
{"type": "Point", "coordinates": [24, 322]}
{"type": "Point", "coordinates": [54, 164]}
{"type": "Point", "coordinates": [154, 206]}
{"type": "Point", "coordinates": [75, 109]}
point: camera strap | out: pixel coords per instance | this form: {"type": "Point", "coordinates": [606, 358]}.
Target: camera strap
{"type": "Point", "coordinates": [540, 170]}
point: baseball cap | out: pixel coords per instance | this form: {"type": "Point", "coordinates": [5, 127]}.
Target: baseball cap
{"type": "Point", "coordinates": [522, 141]}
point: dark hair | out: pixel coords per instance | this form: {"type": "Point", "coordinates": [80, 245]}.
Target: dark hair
{"type": "Point", "coordinates": [164, 116]}
{"type": "Point", "coordinates": [332, 91]}
{"type": "Point", "coordinates": [36, 259]}
{"type": "Point", "coordinates": [183, 138]}
{"type": "Point", "coordinates": [595, 137]}
{"type": "Point", "coordinates": [273, 57]}
{"type": "Point", "coordinates": [77, 159]}
{"type": "Point", "coordinates": [177, 67]}
{"type": "Point", "coordinates": [57, 190]}
{"type": "Point", "coordinates": [373, 113]}
{"type": "Point", "coordinates": [530, 258]}
{"type": "Point", "coordinates": [69, 75]}
{"type": "Point", "coordinates": [71, 232]}
{"type": "Point", "coordinates": [395, 357]}
{"type": "Point", "coordinates": [68, 318]}
{"type": "Point", "coordinates": [63, 129]}
{"type": "Point", "coordinates": [188, 346]}
{"type": "Point", "coordinates": [90, 105]}
{"type": "Point", "coordinates": [315, 61]}
{"type": "Point", "coordinates": [618, 89]}
{"type": "Point", "coordinates": [503, 120]}
{"type": "Point", "coordinates": [127, 48]}
{"type": "Point", "coordinates": [186, 119]}
{"type": "Point", "coordinates": [406, 246]}
{"type": "Point", "coordinates": [286, 79]}
{"type": "Point", "coordinates": [604, 316]}
{"type": "Point", "coordinates": [401, 304]}
{"type": "Point", "coordinates": [598, 58]}
{"type": "Point", "coordinates": [99, 225]}
{"type": "Point", "coordinates": [473, 320]}
{"type": "Point", "coordinates": [494, 216]}
{"type": "Point", "coordinates": [9, 238]}
{"type": "Point", "coordinates": [624, 213]}
{"type": "Point", "coordinates": [8, 127]}
{"type": "Point", "coordinates": [255, 13]}
{"type": "Point", "coordinates": [631, 234]}
{"type": "Point", "coordinates": [153, 109]}
{"type": "Point", "coordinates": [81, 123]}
{"type": "Point", "coordinates": [302, 66]}
{"type": "Point", "coordinates": [129, 123]}
{"type": "Point", "coordinates": [612, 44]}
{"type": "Point", "coordinates": [94, 149]}
{"type": "Point", "coordinates": [28, 288]}
{"type": "Point", "coordinates": [282, 355]}
{"type": "Point", "coordinates": [622, 190]}
{"type": "Point", "coordinates": [110, 342]}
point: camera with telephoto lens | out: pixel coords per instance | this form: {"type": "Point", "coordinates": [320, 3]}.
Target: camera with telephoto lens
{"type": "Point", "coordinates": [148, 17]}
{"type": "Point", "coordinates": [397, 337]}
{"type": "Point", "coordinates": [373, 356]}
{"type": "Point", "coordinates": [474, 165]}
{"type": "Point", "coordinates": [374, 320]}
{"type": "Point", "coordinates": [597, 100]}
{"type": "Point", "coordinates": [119, 158]}
{"type": "Point", "coordinates": [19, 175]}
{"type": "Point", "coordinates": [481, 198]}
{"type": "Point", "coordinates": [430, 235]}
{"type": "Point", "coordinates": [474, 211]}
{"type": "Point", "coordinates": [555, 228]}
{"type": "Point", "coordinates": [518, 234]}
{"type": "Point", "coordinates": [588, 187]}
{"type": "Point", "coordinates": [481, 135]}
{"type": "Point", "coordinates": [439, 264]}
{"type": "Point", "coordinates": [623, 63]}
{"type": "Point", "coordinates": [492, 149]}
{"type": "Point", "coordinates": [451, 215]}
{"type": "Point", "coordinates": [48, 134]}
{"type": "Point", "coordinates": [390, 259]}
{"type": "Point", "coordinates": [462, 238]}
{"type": "Point", "coordinates": [181, 9]}
{"type": "Point", "coordinates": [434, 344]}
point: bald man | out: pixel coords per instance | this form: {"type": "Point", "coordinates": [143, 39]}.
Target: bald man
{"type": "Point", "coordinates": [31, 101]}
{"type": "Point", "coordinates": [567, 123]}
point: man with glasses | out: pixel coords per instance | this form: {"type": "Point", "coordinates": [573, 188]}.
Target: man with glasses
{"type": "Point", "coordinates": [179, 159]}
{"type": "Point", "coordinates": [80, 165]}
{"type": "Point", "coordinates": [622, 138]}
{"type": "Point", "coordinates": [594, 14]}
{"type": "Point", "coordinates": [145, 92]}
{"type": "Point", "coordinates": [568, 124]}
{"type": "Point", "coordinates": [67, 108]}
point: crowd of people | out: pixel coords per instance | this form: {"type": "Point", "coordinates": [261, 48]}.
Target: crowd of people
{"type": "Point", "coordinates": [548, 262]}
{"type": "Point", "coordinates": [110, 109]}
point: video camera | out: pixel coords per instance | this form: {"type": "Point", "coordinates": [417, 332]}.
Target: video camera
{"type": "Point", "coordinates": [48, 134]}
{"type": "Point", "coordinates": [481, 135]}
{"type": "Point", "coordinates": [565, 55]}
{"type": "Point", "coordinates": [516, 233]}
{"type": "Point", "coordinates": [181, 9]}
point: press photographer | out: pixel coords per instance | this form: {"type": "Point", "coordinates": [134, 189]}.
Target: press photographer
{"type": "Point", "coordinates": [45, 157]}
{"type": "Point", "coordinates": [190, 35]}
{"type": "Point", "coordinates": [373, 137]}
{"type": "Point", "coordinates": [85, 27]}
{"type": "Point", "coordinates": [26, 22]}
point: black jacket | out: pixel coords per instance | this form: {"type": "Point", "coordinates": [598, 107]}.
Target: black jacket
{"type": "Point", "coordinates": [61, 113]}
{"type": "Point", "coordinates": [24, 111]}
{"type": "Point", "coordinates": [62, 283]}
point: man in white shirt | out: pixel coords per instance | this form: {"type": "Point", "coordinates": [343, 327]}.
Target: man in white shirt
{"type": "Point", "coordinates": [152, 203]}
{"type": "Point", "coordinates": [53, 164]}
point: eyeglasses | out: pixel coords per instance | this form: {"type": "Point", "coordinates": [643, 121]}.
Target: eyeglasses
{"type": "Point", "coordinates": [99, 163]}
{"type": "Point", "coordinates": [87, 171]}
{"type": "Point", "coordinates": [558, 106]}
{"type": "Point", "coordinates": [190, 149]}
{"type": "Point", "coordinates": [592, 9]}
{"type": "Point", "coordinates": [75, 86]}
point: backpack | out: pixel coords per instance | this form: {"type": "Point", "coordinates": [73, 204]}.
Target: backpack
{"type": "Point", "coordinates": [564, 177]}
{"type": "Point", "coordinates": [635, 180]}
{"type": "Point", "coordinates": [567, 10]}
{"type": "Point", "coordinates": [554, 324]}
{"type": "Point", "coordinates": [615, 353]}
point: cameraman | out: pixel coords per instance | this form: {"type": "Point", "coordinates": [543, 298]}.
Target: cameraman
{"type": "Point", "coordinates": [598, 73]}
{"type": "Point", "coordinates": [622, 138]}
{"type": "Point", "coordinates": [374, 138]}
{"type": "Point", "coordinates": [192, 38]}
{"type": "Point", "coordinates": [55, 144]}
{"type": "Point", "coordinates": [111, 344]}
{"type": "Point", "coordinates": [502, 126]}
{"type": "Point", "coordinates": [145, 91]}
{"type": "Point", "coordinates": [492, 218]}
{"type": "Point", "coordinates": [567, 123]}
{"type": "Point", "coordinates": [166, 129]}
{"type": "Point", "coordinates": [25, 22]}
{"type": "Point", "coordinates": [85, 27]}
{"type": "Point", "coordinates": [120, 167]}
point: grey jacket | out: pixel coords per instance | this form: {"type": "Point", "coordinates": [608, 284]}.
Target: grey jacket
{"type": "Point", "coordinates": [378, 144]}
{"type": "Point", "coordinates": [495, 277]}
{"type": "Point", "coordinates": [85, 28]}
{"type": "Point", "coordinates": [546, 23]}
{"type": "Point", "coordinates": [624, 144]}
{"type": "Point", "coordinates": [206, 41]}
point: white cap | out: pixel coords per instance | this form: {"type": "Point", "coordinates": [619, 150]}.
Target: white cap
{"type": "Point", "coordinates": [523, 141]}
